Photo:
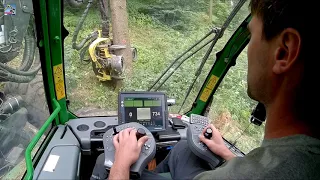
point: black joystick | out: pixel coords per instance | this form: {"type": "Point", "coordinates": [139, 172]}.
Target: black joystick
{"type": "Point", "coordinates": [147, 153]}
{"type": "Point", "coordinates": [114, 130]}
{"type": "Point", "coordinates": [208, 133]}
{"type": "Point", "coordinates": [140, 133]}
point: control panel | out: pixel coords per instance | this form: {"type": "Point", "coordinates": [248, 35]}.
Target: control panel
{"type": "Point", "coordinates": [146, 108]}
{"type": "Point", "coordinates": [197, 126]}
{"type": "Point", "coordinates": [147, 153]}
{"type": "Point", "coordinates": [90, 131]}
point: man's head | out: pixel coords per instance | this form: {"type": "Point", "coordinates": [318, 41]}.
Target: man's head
{"type": "Point", "coordinates": [278, 50]}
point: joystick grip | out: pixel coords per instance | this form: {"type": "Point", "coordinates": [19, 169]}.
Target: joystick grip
{"type": "Point", "coordinates": [114, 130]}
{"type": "Point", "coordinates": [208, 133]}
{"type": "Point", "coordinates": [140, 133]}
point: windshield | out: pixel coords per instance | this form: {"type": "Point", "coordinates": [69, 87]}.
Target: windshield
{"type": "Point", "coordinates": [231, 108]}
{"type": "Point", "coordinates": [23, 105]}
{"type": "Point", "coordinates": [111, 49]}
{"type": "Point", "coordinates": [159, 30]}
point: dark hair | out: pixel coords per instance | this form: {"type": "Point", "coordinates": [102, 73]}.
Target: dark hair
{"type": "Point", "coordinates": [277, 15]}
{"type": "Point", "coordinates": [280, 14]}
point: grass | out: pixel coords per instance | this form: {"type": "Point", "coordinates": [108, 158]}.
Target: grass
{"type": "Point", "coordinates": [159, 40]}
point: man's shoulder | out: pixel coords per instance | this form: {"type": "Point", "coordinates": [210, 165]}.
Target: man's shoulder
{"type": "Point", "coordinates": [281, 160]}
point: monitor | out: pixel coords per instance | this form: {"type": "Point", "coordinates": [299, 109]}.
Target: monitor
{"type": "Point", "coordinates": [146, 108]}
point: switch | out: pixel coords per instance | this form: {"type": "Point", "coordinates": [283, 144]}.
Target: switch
{"type": "Point", "coordinates": [208, 133]}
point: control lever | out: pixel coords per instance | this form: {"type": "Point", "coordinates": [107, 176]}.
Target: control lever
{"type": "Point", "coordinates": [140, 133]}
{"type": "Point", "coordinates": [208, 133]}
{"type": "Point", "coordinates": [114, 130]}
{"type": "Point", "coordinates": [199, 148]}
{"type": "Point", "coordinates": [147, 153]}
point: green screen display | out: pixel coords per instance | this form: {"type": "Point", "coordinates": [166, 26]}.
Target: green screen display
{"type": "Point", "coordinates": [128, 103]}
{"type": "Point", "coordinates": [136, 102]}
{"type": "Point", "coordinates": [148, 103]}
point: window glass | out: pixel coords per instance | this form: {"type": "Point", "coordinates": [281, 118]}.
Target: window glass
{"type": "Point", "coordinates": [160, 30]}
{"type": "Point", "coordinates": [231, 108]}
{"type": "Point", "coordinates": [23, 106]}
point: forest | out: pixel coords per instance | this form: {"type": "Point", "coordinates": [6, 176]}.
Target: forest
{"type": "Point", "coordinates": [161, 30]}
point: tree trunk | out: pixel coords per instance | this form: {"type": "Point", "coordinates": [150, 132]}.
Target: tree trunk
{"type": "Point", "coordinates": [120, 32]}
{"type": "Point", "coordinates": [210, 11]}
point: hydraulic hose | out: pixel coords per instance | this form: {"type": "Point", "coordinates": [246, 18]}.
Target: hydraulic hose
{"type": "Point", "coordinates": [184, 53]}
{"type": "Point", "coordinates": [103, 7]}
{"type": "Point", "coordinates": [29, 50]}
{"type": "Point", "coordinates": [26, 52]}
{"type": "Point", "coordinates": [78, 28]}
{"type": "Point", "coordinates": [82, 54]}
{"type": "Point", "coordinates": [15, 78]}
{"type": "Point", "coordinates": [21, 73]}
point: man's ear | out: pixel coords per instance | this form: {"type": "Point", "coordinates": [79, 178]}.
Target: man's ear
{"type": "Point", "coordinates": [287, 51]}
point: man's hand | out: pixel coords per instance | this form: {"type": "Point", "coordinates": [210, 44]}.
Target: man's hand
{"type": "Point", "coordinates": [127, 151]}
{"type": "Point", "coordinates": [216, 144]}
{"type": "Point", "coordinates": [127, 148]}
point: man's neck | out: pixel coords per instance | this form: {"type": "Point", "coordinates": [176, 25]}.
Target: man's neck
{"type": "Point", "coordinates": [282, 122]}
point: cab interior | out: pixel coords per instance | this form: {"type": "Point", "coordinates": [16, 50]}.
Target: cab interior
{"type": "Point", "coordinates": [69, 125]}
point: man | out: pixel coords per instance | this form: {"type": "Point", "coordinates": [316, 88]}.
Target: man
{"type": "Point", "coordinates": [281, 65]}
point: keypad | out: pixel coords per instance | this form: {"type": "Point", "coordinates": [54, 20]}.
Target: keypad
{"type": "Point", "coordinates": [198, 119]}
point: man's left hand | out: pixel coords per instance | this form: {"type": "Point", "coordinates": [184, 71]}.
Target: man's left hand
{"type": "Point", "coordinates": [127, 148]}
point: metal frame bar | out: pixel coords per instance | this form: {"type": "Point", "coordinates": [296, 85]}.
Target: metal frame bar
{"type": "Point", "coordinates": [36, 138]}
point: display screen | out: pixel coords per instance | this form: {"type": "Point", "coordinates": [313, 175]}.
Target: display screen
{"type": "Point", "coordinates": [144, 110]}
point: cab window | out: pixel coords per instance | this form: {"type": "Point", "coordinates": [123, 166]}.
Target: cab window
{"type": "Point", "coordinates": [158, 32]}
{"type": "Point", "coordinates": [231, 108]}
{"type": "Point", "coordinates": [23, 105]}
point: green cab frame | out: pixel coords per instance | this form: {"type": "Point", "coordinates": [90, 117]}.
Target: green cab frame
{"type": "Point", "coordinates": [51, 34]}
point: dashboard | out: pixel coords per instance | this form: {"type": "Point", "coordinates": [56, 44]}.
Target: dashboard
{"type": "Point", "coordinates": [83, 137]}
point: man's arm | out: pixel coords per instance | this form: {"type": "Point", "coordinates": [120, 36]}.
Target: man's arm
{"type": "Point", "coordinates": [227, 154]}
{"type": "Point", "coordinates": [119, 171]}
{"type": "Point", "coordinates": [216, 144]}
{"type": "Point", "coordinates": [127, 151]}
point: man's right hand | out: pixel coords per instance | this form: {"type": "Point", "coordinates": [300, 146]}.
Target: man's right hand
{"type": "Point", "coordinates": [216, 144]}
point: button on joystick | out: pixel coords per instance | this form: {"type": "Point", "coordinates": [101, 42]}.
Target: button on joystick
{"type": "Point", "coordinates": [140, 133]}
{"type": "Point", "coordinates": [208, 133]}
